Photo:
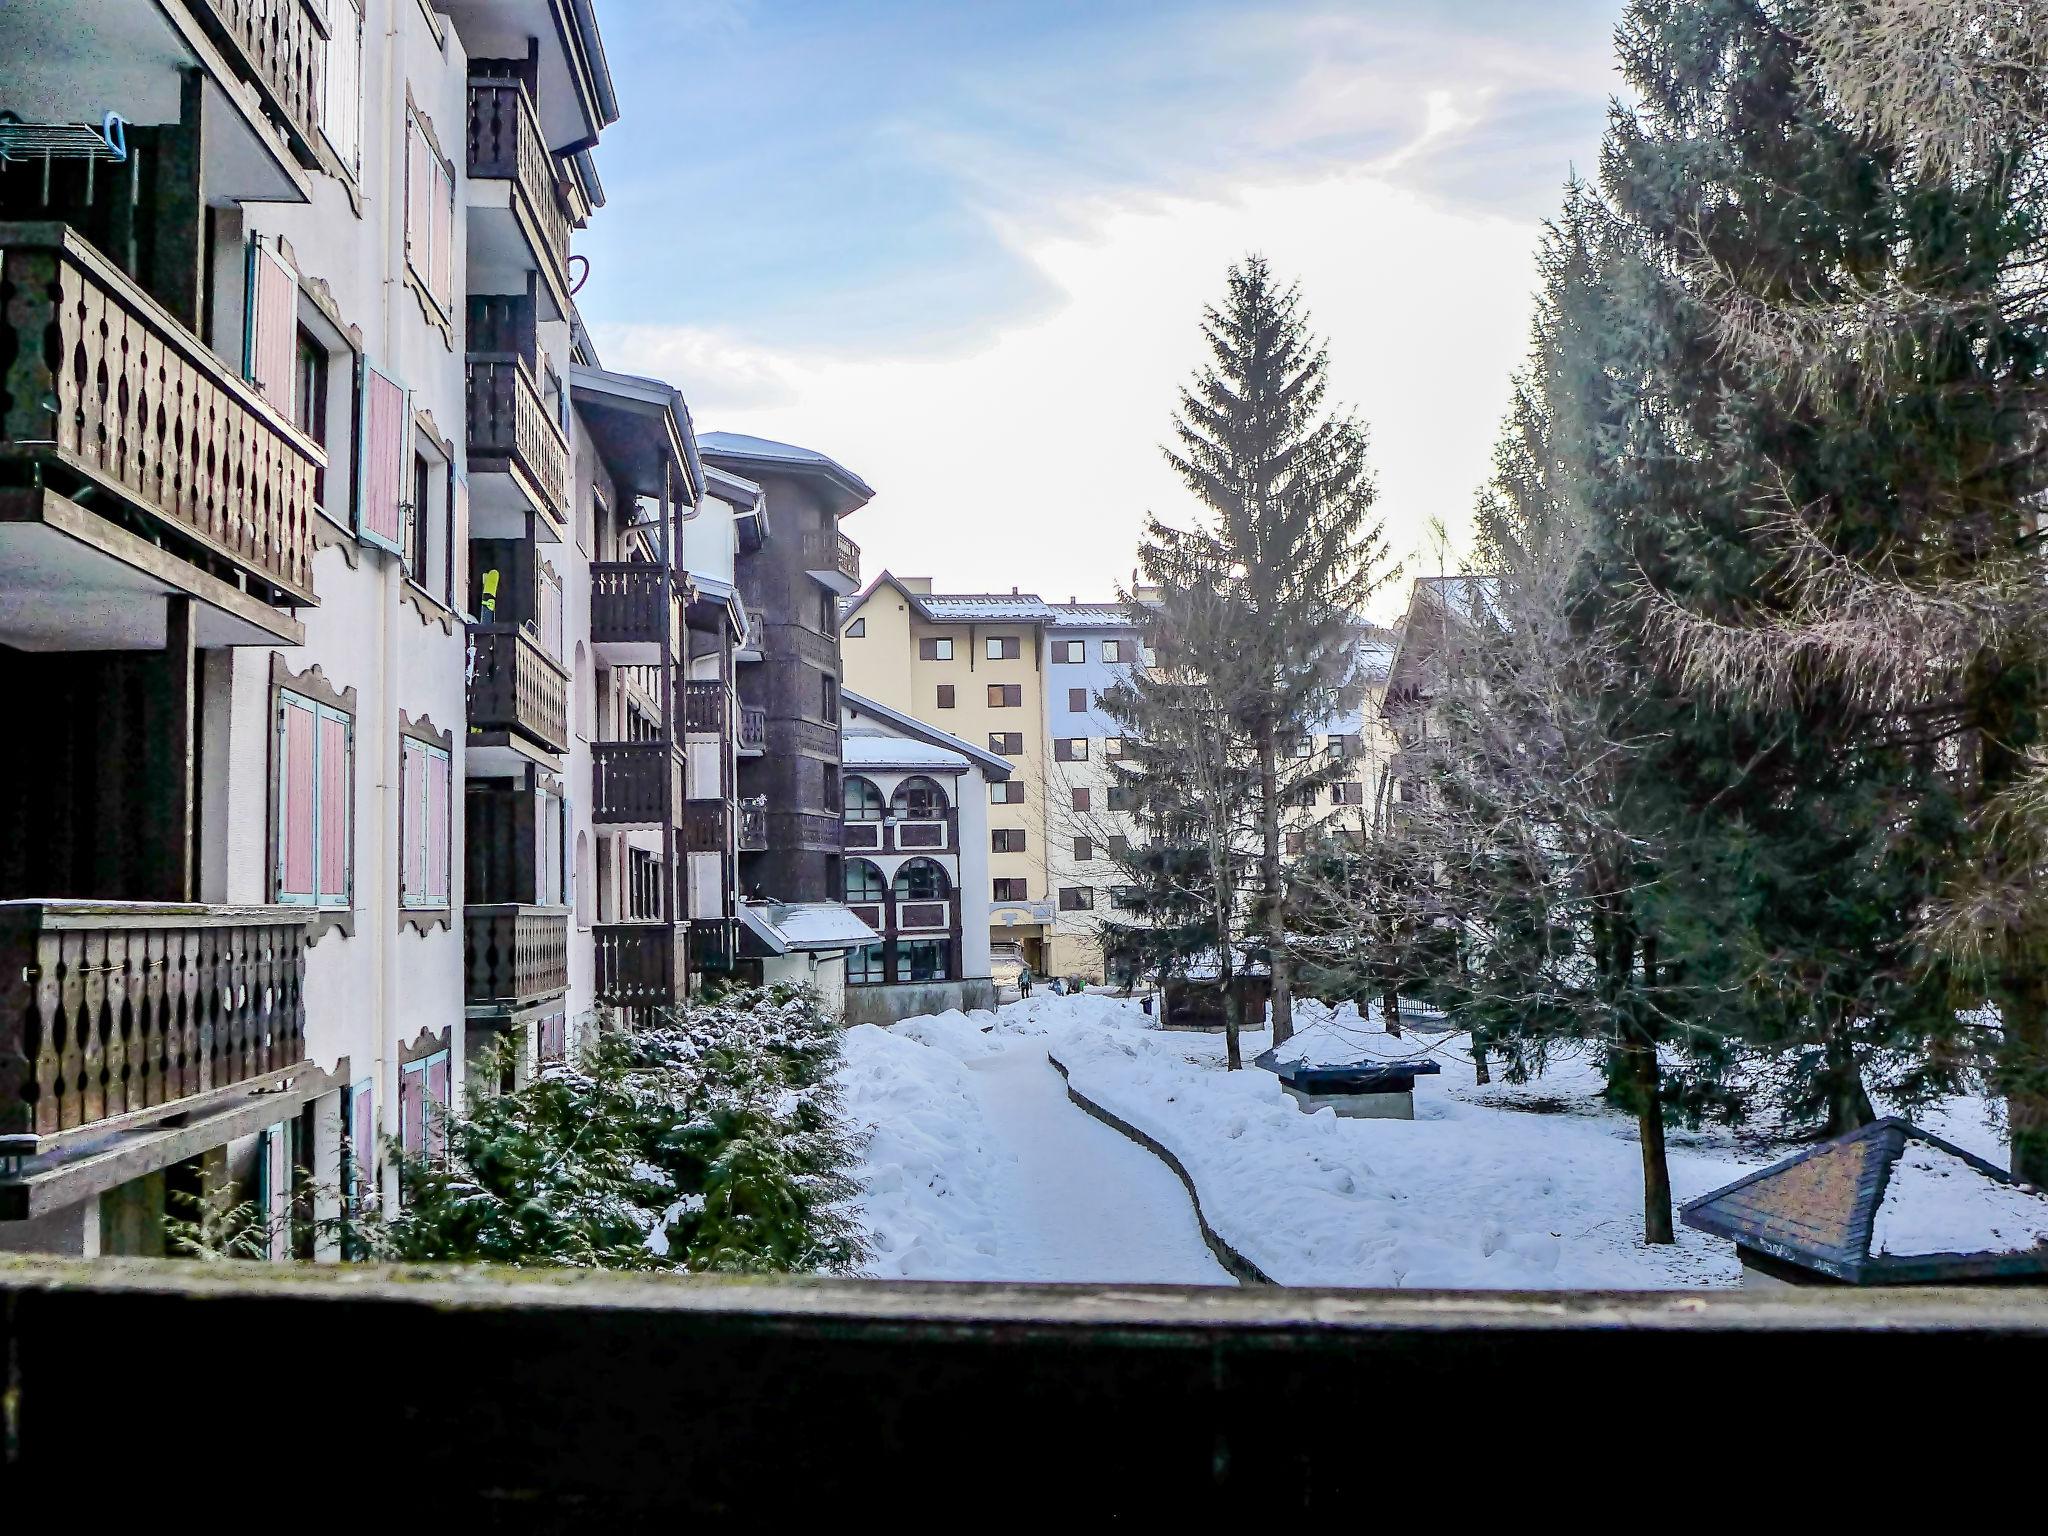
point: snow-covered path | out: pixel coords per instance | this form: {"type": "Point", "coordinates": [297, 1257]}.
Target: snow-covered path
{"type": "Point", "coordinates": [980, 1168]}
{"type": "Point", "coordinates": [1086, 1203]}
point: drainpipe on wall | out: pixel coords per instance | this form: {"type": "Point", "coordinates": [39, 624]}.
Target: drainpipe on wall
{"type": "Point", "coordinates": [384, 915]}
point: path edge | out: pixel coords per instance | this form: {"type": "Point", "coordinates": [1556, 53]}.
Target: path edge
{"type": "Point", "coordinates": [1241, 1268]}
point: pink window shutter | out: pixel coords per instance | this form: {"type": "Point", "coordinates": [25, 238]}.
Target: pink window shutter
{"type": "Point", "coordinates": [272, 345]}
{"type": "Point", "coordinates": [443, 226]}
{"type": "Point", "coordinates": [363, 1134]}
{"type": "Point", "coordinates": [411, 1109]}
{"type": "Point", "coordinates": [437, 787]}
{"type": "Point", "coordinates": [437, 1107]}
{"type": "Point", "coordinates": [336, 761]}
{"type": "Point", "coordinates": [412, 835]}
{"type": "Point", "coordinates": [382, 488]}
{"type": "Point", "coordinates": [419, 204]}
{"type": "Point", "coordinates": [296, 803]}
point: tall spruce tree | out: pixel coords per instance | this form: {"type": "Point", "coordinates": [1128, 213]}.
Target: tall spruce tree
{"type": "Point", "coordinates": [1288, 495]}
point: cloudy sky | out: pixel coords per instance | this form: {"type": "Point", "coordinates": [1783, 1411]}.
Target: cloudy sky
{"type": "Point", "coordinates": [963, 245]}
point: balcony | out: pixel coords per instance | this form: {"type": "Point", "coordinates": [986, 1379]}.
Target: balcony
{"type": "Point", "coordinates": [634, 783]}
{"type": "Point", "coordinates": [518, 694]}
{"type": "Point", "coordinates": [196, 486]}
{"type": "Point", "coordinates": [517, 222]}
{"type": "Point", "coordinates": [753, 836]}
{"type": "Point", "coordinates": [707, 707]}
{"type": "Point", "coordinates": [712, 946]}
{"type": "Point", "coordinates": [707, 826]}
{"type": "Point", "coordinates": [897, 835]}
{"type": "Point", "coordinates": [515, 956]}
{"type": "Point", "coordinates": [124, 1013]}
{"type": "Point", "coordinates": [518, 458]}
{"type": "Point", "coordinates": [632, 613]}
{"type": "Point", "coordinates": [280, 47]}
{"type": "Point", "coordinates": [637, 971]}
{"type": "Point", "coordinates": [831, 557]}
{"type": "Point", "coordinates": [753, 731]}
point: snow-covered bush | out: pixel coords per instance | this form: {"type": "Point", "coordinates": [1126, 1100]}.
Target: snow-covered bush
{"type": "Point", "coordinates": [712, 1140]}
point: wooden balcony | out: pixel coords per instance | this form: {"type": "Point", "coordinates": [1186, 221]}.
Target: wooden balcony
{"type": "Point", "coordinates": [515, 956]}
{"type": "Point", "coordinates": [280, 47]}
{"type": "Point", "coordinates": [194, 481]}
{"type": "Point", "coordinates": [516, 690]}
{"type": "Point", "coordinates": [517, 217]}
{"type": "Point", "coordinates": [753, 837]}
{"type": "Point", "coordinates": [834, 559]}
{"type": "Point", "coordinates": [635, 783]}
{"type": "Point", "coordinates": [116, 1014]}
{"type": "Point", "coordinates": [513, 438]}
{"type": "Point", "coordinates": [632, 612]}
{"type": "Point", "coordinates": [637, 969]}
{"type": "Point", "coordinates": [753, 731]}
{"type": "Point", "coordinates": [707, 826]}
{"type": "Point", "coordinates": [713, 947]}
{"type": "Point", "coordinates": [707, 707]}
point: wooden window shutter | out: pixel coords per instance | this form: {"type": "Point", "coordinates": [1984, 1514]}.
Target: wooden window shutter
{"type": "Point", "coordinates": [443, 230]}
{"type": "Point", "coordinates": [336, 765]}
{"type": "Point", "coordinates": [435, 1110]}
{"type": "Point", "coordinates": [411, 1108]}
{"type": "Point", "coordinates": [419, 196]}
{"type": "Point", "coordinates": [549, 605]}
{"type": "Point", "coordinates": [297, 801]}
{"type": "Point", "coordinates": [270, 326]}
{"type": "Point", "coordinates": [383, 432]}
{"type": "Point", "coordinates": [437, 858]}
{"type": "Point", "coordinates": [362, 1109]}
{"type": "Point", "coordinates": [412, 822]}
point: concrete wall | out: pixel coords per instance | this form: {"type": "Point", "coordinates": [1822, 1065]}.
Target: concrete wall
{"type": "Point", "coordinates": [910, 999]}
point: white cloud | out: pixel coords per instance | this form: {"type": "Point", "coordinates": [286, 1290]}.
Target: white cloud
{"type": "Point", "coordinates": [1031, 459]}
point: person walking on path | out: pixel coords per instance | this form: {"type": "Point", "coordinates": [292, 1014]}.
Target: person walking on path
{"type": "Point", "coordinates": [1024, 982]}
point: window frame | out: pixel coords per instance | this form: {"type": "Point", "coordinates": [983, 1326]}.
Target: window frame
{"type": "Point", "coordinates": [425, 908]}
{"type": "Point", "coordinates": [1076, 898]}
{"type": "Point", "coordinates": [1070, 749]}
{"type": "Point", "coordinates": [1113, 652]}
{"type": "Point", "coordinates": [935, 648]}
{"type": "Point", "coordinates": [1002, 648]}
{"type": "Point", "coordinates": [944, 697]}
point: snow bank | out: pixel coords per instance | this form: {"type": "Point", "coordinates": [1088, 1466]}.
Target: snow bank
{"type": "Point", "coordinates": [1935, 1202]}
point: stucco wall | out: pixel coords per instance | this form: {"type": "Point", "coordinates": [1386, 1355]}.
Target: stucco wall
{"type": "Point", "coordinates": [909, 999]}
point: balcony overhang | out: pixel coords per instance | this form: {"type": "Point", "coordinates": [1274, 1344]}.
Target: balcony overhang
{"type": "Point", "coordinates": [642, 431]}
{"type": "Point", "coordinates": [574, 84]}
{"type": "Point", "coordinates": [506, 243]}
{"type": "Point", "coordinates": [72, 580]}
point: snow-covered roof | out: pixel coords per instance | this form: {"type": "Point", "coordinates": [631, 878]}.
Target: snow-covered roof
{"type": "Point", "coordinates": [965, 606]}
{"type": "Point", "coordinates": [1091, 616]}
{"type": "Point", "coordinates": [1886, 1205]}
{"type": "Point", "coordinates": [857, 751]}
{"type": "Point", "coordinates": [805, 925]}
{"type": "Point", "coordinates": [993, 768]}
{"type": "Point", "coordinates": [766, 452]}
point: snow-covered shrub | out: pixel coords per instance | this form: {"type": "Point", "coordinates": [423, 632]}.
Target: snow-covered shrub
{"type": "Point", "coordinates": [712, 1140]}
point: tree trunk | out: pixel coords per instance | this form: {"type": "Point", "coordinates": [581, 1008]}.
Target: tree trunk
{"type": "Point", "coordinates": [1269, 871]}
{"type": "Point", "coordinates": [2023, 1007]}
{"type": "Point", "coordinates": [1650, 1124]}
{"type": "Point", "coordinates": [1390, 1010]}
{"type": "Point", "coordinates": [1848, 1104]}
{"type": "Point", "coordinates": [1233, 1014]}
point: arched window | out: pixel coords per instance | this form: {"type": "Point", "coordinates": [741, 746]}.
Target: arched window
{"type": "Point", "coordinates": [920, 880]}
{"type": "Point", "coordinates": [863, 881]}
{"type": "Point", "coordinates": [863, 801]}
{"type": "Point", "coordinates": [918, 799]}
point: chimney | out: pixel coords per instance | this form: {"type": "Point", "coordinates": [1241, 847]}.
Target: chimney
{"type": "Point", "coordinates": [921, 585]}
{"type": "Point", "coordinates": [1013, 591]}
{"type": "Point", "coordinates": [1151, 594]}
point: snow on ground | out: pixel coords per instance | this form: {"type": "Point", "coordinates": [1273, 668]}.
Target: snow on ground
{"type": "Point", "coordinates": [1934, 1202]}
{"type": "Point", "coordinates": [979, 1168]}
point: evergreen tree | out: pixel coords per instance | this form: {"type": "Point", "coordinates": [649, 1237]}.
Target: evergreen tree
{"type": "Point", "coordinates": [1288, 494]}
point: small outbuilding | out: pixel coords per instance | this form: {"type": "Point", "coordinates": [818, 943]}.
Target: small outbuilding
{"type": "Point", "coordinates": [1886, 1205]}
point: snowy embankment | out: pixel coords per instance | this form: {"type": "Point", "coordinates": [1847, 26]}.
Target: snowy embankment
{"type": "Point", "coordinates": [979, 1169]}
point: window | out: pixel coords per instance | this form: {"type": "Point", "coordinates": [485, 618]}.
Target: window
{"type": "Point", "coordinates": [918, 799]}
{"type": "Point", "coordinates": [1006, 840]}
{"type": "Point", "coordinates": [1006, 792]}
{"type": "Point", "coordinates": [1006, 743]}
{"type": "Point", "coordinates": [1003, 648]}
{"type": "Point", "coordinates": [1070, 749]}
{"type": "Point", "coordinates": [429, 213]}
{"type": "Point", "coordinates": [945, 695]}
{"type": "Point", "coordinates": [935, 648]}
{"type": "Point", "coordinates": [423, 1107]}
{"type": "Point", "coordinates": [920, 880]}
{"type": "Point", "coordinates": [1345, 746]}
{"type": "Point", "coordinates": [309, 387]}
{"type": "Point", "coordinates": [828, 613]}
{"type": "Point", "coordinates": [857, 630]}
{"type": "Point", "coordinates": [1084, 850]}
{"type": "Point", "coordinates": [1304, 798]}
{"type": "Point", "coordinates": [862, 800]}
{"type": "Point", "coordinates": [1119, 846]}
{"type": "Point", "coordinates": [412, 521]}
{"type": "Point", "coordinates": [1302, 746]}
{"type": "Point", "coordinates": [1077, 898]}
{"type": "Point", "coordinates": [1294, 842]}
{"type": "Point", "coordinates": [1113, 746]}
{"type": "Point", "coordinates": [423, 783]}
{"type": "Point", "coordinates": [1122, 798]}
{"type": "Point", "coordinates": [1347, 792]}
{"type": "Point", "coordinates": [864, 965]}
{"type": "Point", "coordinates": [314, 774]}
{"type": "Point", "coordinates": [1077, 700]}
{"type": "Point", "coordinates": [1005, 695]}
{"type": "Point", "coordinates": [921, 960]}
{"type": "Point", "coordinates": [341, 111]}
{"type": "Point", "coordinates": [829, 699]}
{"type": "Point", "coordinates": [1080, 799]}
{"type": "Point", "coordinates": [829, 776]}
{"type": "Point", "coordinates": [1010, 890]}
{"type": "Point", "coordinates": [1112, 650]}
{"type": "Point", "coordinates": [863, 881]}
{"type": "Point", "coordinates": [1069, 650]}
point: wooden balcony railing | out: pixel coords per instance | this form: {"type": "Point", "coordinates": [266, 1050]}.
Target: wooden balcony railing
{"type": "Point", "coordinates": [706, 826]}
{"type": "Point", "coordinates": [281, 48]}
{"type": "Point", "coordinates": [631, 603]}
{"type": "Point", "coordinates": [712, 947]}
{"type": "Point", "coordinates": [505, 144]}
{"type": "Point", "coordinates": [753, 728]}
{"type": "Point", "coordinates": [706, 709]}
{"type": "Point", "coordinates": [116, 1012]}
{"type": "Point", "coordinates": [634, 783]}
{"type": "Point", "coordinates": [515, 955]}
{"type": "Point", "coordinates": [99, 384]}
{"type": "Point", "coordinates": [510, 429]}
{"type": "Point", "coordinates": [637, 971]}
{"type": "Point", "coordinates": [515, 686]}
{"type": "Point", "coordinates": [827, 549]}
{"type": "Point", "coordinates": [753, 825]}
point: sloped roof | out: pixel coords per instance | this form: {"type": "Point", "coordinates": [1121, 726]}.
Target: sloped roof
{"type": "Point", "coordinates": [1886, 1205]}
{"type": "Point", "coordinates": [764, 453]}
{"type": "Point", "coordinates": [805, 925]}
{"type": "Point", "coordinates": [993, 768]}
{"type": "Point", "coordinates": [897, 752]}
